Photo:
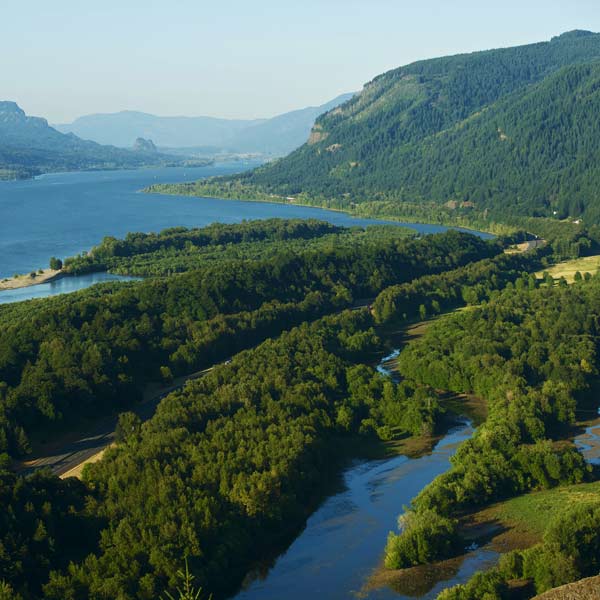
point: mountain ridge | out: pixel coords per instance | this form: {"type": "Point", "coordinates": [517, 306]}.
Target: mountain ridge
{"type": "Point", "coordinates": [431, 131]}
{"type": "Point", "coordinates": [29, 146]}
{"type": "Point", "coordinates": [277, 135]}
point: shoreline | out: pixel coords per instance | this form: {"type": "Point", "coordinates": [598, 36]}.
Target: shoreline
{"type": "Point", "coordinates": [23, 281]}
{"type": "Point", "coordinates": [21, 176]}
{"type": "Point", "coordinates": [405, 221]}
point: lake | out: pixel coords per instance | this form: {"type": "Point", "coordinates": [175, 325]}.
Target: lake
{"type": "Point", "coordinates": [63, 214]}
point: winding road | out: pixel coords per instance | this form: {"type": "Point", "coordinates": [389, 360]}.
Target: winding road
{"type": "Point", "coordinates": [63, 459]}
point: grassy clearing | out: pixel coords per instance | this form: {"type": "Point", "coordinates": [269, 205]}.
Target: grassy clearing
{"type": "Point", "coordinates": [568, 268]}
{"type": "Point", "coordinates": [537, 509]}
{"type": "Point", "coordinates": [520, 522]}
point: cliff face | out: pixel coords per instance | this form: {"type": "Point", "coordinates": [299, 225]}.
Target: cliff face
{"type": "Point", "coordinates": [586, 589]}
{"type": "Point", "coordinates": [18, 129]}
{"type": "Point", "coordinates": [143, 145]}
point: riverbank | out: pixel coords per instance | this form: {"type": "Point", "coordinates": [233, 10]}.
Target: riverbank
{"type": "Point", "coordinates": [21, 281]}
{"type": "Point", "coordinates": [59, 285]}
{"type": "Point", "coordinates": [342, 541]}
{"type": "Point", "coordinates": [359, 211]}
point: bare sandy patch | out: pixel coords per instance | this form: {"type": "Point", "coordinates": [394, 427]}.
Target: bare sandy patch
{"type": "Point", "coordinates": [21, 281]}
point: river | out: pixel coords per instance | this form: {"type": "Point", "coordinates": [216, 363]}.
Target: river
{"type": "Point", "coordinates": [63, 214]}
{"type": "Point", "coordinates": [342, 544]}
{"type": "Point", "coordinates": [343, 540]}
{"type": "Point", "coordinates": [341, 547]}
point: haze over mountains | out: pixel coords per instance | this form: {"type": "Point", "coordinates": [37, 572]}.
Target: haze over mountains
{"type": "Point", "coordinates": [511, 129]}
{"type": "Point", "coordinates": [275, 136]}
{"type": "Point", "coordinates": [29, 146]}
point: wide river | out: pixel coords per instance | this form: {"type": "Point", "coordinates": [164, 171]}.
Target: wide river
{"type": "Point", "coordinates": [63, 214]}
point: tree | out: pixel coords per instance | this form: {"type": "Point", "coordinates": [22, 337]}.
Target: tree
{"type": "Point", "coordinates": [188, 592]}
{"type": "Point", "coordinates": [56, 264]}
{"type": "Point", "coordinates": [7, 592]}
{"type": "Point", "coordinates": [166, 374]}
{"type": "Point", "coordinates": [128, 425]}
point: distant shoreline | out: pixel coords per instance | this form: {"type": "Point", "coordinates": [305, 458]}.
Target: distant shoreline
{"type": "Point", "coordinates": [24, 174]}
{"type": "Point", "coordinates": [23, 281]}
{"type": "Point", "coordinates": [404, 220]}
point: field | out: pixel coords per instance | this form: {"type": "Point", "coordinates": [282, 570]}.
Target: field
{"type": "Point", "coordinates": [537, 509]}
{"type": "Point", "coordinates": [568, 268]}
{"type": "Point", "coordinates": [520, 522]}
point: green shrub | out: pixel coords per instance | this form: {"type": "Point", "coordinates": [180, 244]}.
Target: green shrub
{"type": "Point", "coordinates": [482, 586]}
{"type": "Point", "coordinates": [425, 536]}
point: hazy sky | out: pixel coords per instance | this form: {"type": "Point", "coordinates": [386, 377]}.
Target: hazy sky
{"type": "Point", "coordinates": [243, 58]}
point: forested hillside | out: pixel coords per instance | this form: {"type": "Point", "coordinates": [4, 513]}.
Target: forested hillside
{"type": "Point", "coordinates": [510, 129]}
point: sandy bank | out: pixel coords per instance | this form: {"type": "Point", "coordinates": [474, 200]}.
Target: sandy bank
{"type": "Point", "coordinates": [13, 283]}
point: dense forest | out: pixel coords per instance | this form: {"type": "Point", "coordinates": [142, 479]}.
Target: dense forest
{"type": "Point", "coordinates": [179, 249]}
{"type": "Point", "coordinates": [230, 466]}
{"type": "Point", "coordinates": [313, 386]}
{"type": "Point", "coordinates": [215, 451]}
{"type": "Point", "coordinates": [91, 352]}
{"type": "Point", "coordinates": [240, 455]}
{"type": "Point", "coordinates": [531, 352]}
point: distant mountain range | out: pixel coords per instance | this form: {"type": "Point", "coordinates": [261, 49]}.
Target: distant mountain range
{"type": "Point", "coordinates": [275, 137]}
{"type": "Point", "coordinates": [29, 146]}
{"type": "Point", "coordinates": [513, 130]}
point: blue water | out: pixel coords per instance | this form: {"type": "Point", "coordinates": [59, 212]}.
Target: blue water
{"type": "Point", "coordinates": [66, 213]}
{"type": "Point", "coordinates": [60, 286]}
{"type": "Point", "coordinates": [588, 443]}
{"type": "Point", "coordinates": [343, 541]}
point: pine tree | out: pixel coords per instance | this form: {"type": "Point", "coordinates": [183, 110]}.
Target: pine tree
{"type": "Point", "coordinates": [187, 591]}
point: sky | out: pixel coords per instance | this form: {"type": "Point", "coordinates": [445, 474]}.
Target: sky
{"type": "Point", "coordinates": [243, 58]}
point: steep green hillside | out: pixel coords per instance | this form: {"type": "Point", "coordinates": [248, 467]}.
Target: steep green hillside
{"type": "Point", "coordinates": [513, 129]}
